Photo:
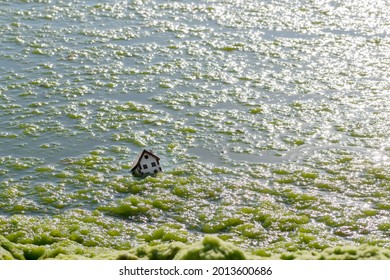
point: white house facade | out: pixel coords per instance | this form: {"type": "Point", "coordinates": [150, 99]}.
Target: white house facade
{"type": "Point", "coordinates": [147, 163]}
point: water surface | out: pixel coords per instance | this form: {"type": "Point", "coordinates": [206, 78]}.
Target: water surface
{"type": "Point", "coordinates": [271, 119]}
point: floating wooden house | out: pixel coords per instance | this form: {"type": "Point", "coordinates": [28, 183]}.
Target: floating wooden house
{"type": "Point", "coordinates": [146, 163]}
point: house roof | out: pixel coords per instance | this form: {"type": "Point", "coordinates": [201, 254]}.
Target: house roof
{"type": "Point", "coordinates": [139, 157]}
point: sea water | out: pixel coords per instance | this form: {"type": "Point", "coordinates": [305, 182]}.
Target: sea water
{"type": "Point", "coordinates": [271, 119]}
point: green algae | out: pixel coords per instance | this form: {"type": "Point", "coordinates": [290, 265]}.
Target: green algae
{"type": "Point", "coordinates": [133, 205]}
{"type": "Point", "coordinates": [10, 250]}
{"type": "Point", "coordinates": [209, 248]}
{"type": "Point", "coordinates": [167, 233]}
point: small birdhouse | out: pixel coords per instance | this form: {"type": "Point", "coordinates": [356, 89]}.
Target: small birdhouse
{"type": "Point", "coordinates": [146, 163]}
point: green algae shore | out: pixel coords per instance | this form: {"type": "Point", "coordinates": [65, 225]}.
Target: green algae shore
{"type": "Point", "coordinates": [210, 248]}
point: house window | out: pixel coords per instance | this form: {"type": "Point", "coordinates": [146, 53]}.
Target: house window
{"type": "Point", "coordinates": [153, 164]}
{"type": "Point", "coordinates": [146, 156]}
{"type": "Point", "coordinates": [145, 166]}
{"type": "Point", "coordinates": [155, 171]}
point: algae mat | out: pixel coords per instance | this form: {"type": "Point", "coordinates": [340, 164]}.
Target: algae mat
{"type": "Point", "coordinates": [210, 248]}
{"type": "Point", "coordinates": [271, 119]}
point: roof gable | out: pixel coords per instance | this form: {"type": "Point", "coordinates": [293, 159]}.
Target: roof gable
{"type": "Point", "coordinates": [141, 155]}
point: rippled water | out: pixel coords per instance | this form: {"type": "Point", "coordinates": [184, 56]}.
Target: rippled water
{"type": "Point", "coordinates": [271, 119]}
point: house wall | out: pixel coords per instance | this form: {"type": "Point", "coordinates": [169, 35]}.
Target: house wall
{"type": "Point", "coordinates": [149, 162]}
